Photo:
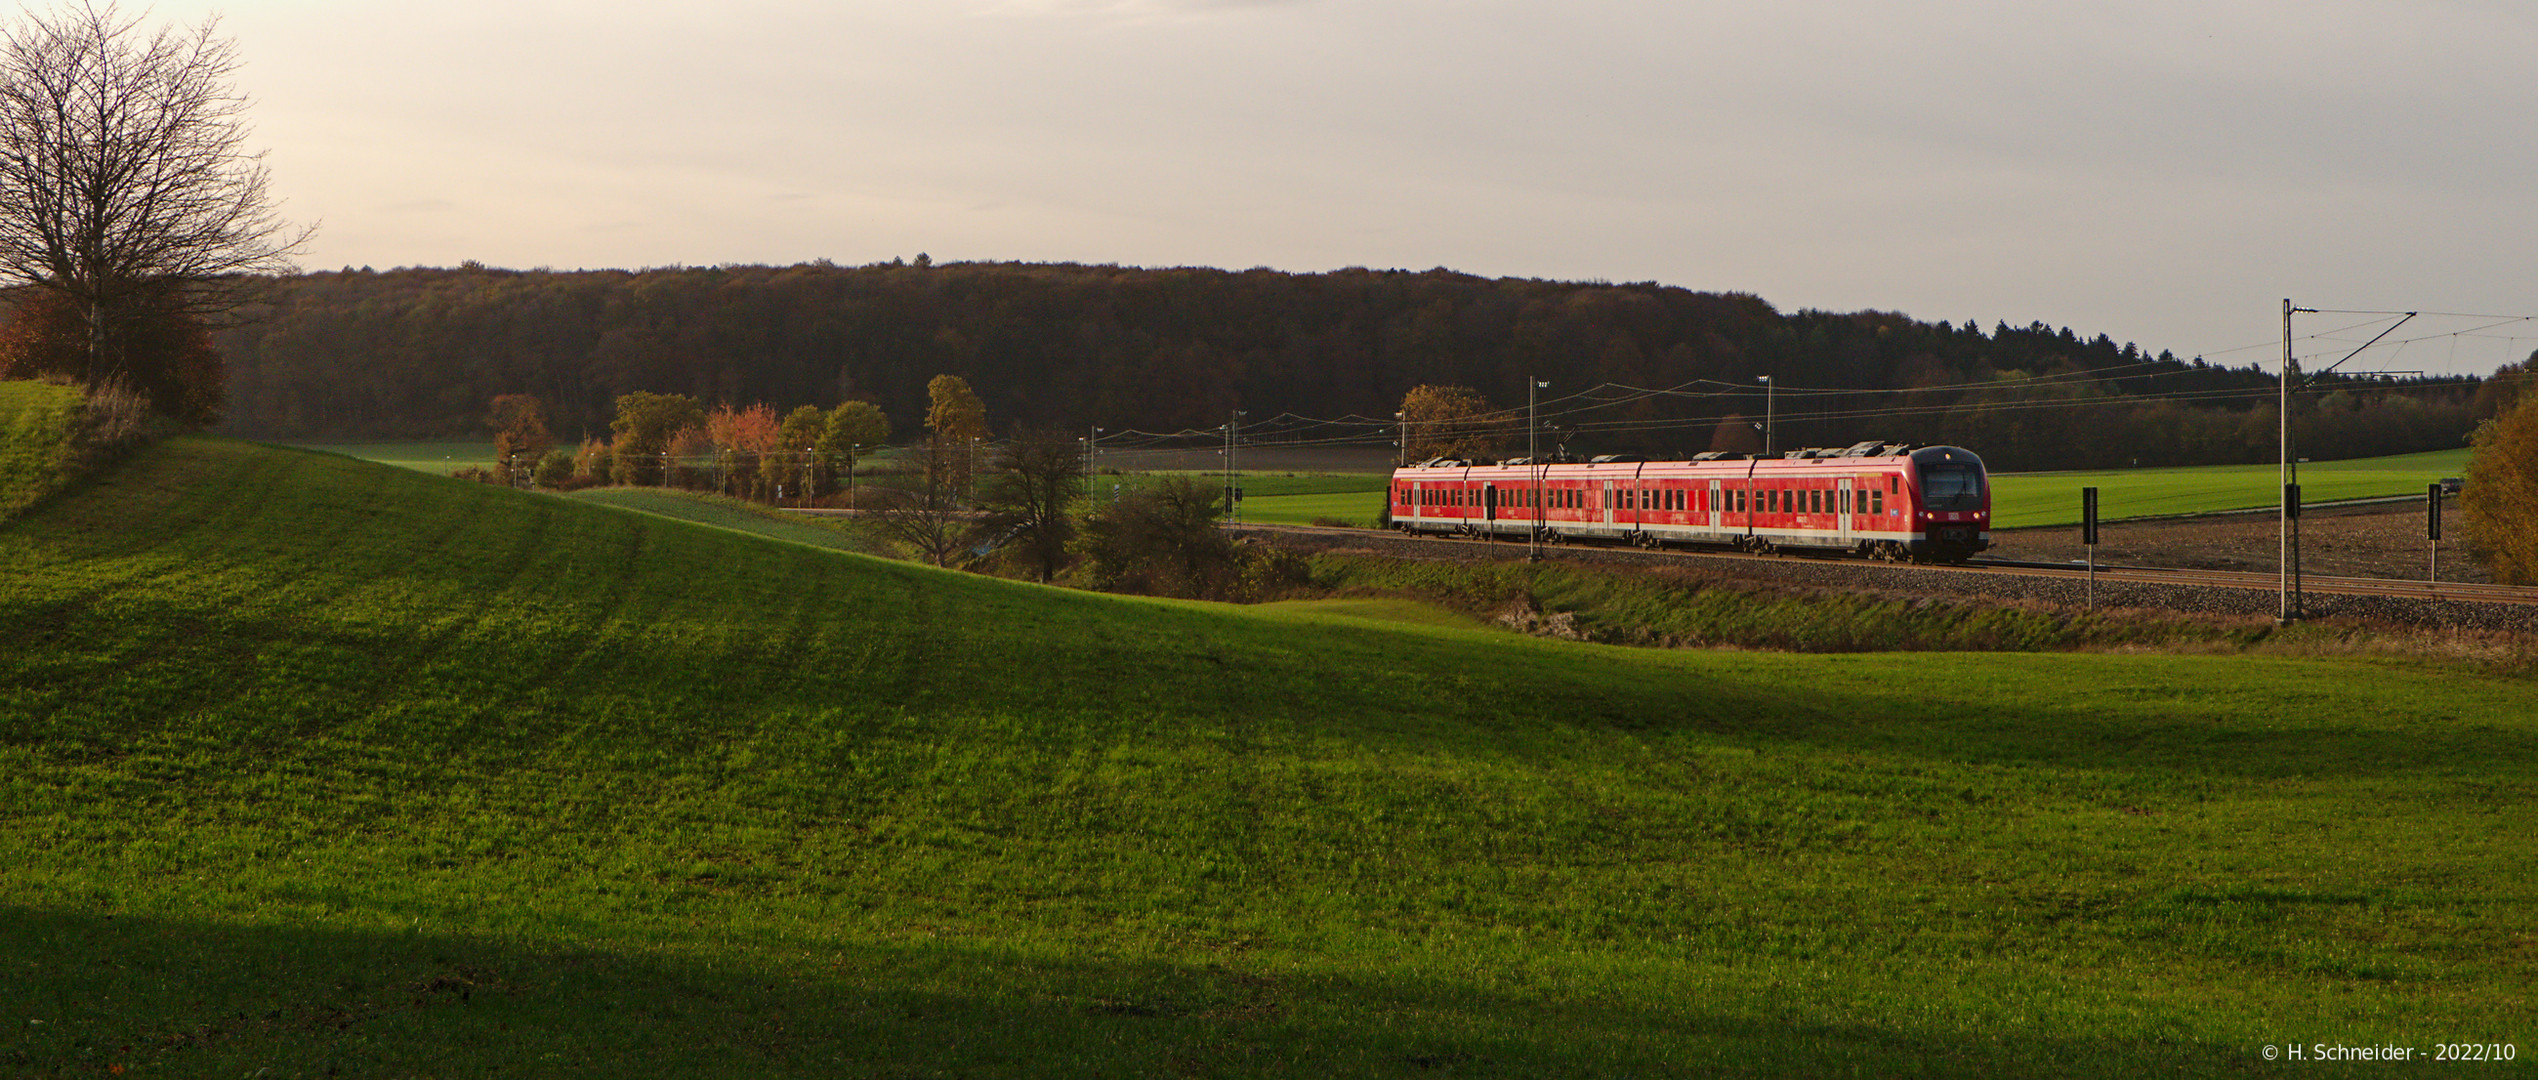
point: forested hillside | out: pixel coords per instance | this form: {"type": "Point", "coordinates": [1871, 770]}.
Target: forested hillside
{"type": "Point", "coordinates": [419, 352]}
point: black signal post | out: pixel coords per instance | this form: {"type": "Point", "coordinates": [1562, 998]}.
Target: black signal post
{"type": "Point", "coordinates": [2432, 528]}
{"type": "Point", "coordinates": [2291, 513]}
{"type": "Point", "coordinates": [2088, 535]}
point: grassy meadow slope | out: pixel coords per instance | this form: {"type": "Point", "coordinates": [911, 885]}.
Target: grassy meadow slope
{"type": "Point", "coordinates": [39, 429]}
{"type": "Point", "coordinates": [311, 765]}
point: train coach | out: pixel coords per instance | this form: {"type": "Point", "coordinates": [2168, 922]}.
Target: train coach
{"type": "Point", "coordinates": [1882, 500]}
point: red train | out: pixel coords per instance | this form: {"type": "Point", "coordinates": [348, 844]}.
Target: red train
{"type": "Point", "coordinates": [1882, 500]}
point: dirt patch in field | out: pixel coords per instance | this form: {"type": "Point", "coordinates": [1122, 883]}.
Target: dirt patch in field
{"type": "Point", "coordinates": [2369, 541]}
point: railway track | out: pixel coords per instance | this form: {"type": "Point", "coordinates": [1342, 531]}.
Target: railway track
{"type": "Point", "coordinates": [2111, 580]}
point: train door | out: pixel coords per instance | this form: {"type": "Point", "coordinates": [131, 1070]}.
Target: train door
{"type": "Point", "coordinates": [1842, 510]}
{"type": "Point", "coordinates": [1608, 502]}
{"type": "Point", "coordinates": [1715, 488]}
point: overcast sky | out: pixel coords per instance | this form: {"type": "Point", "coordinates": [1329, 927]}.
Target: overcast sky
{"type": "Point", "coordinates": [2164, 173]}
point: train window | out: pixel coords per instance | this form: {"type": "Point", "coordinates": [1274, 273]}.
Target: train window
{"type": "Point", "coordinates": [1952, 487]}
{"type": "Point", "coordinates": [1876, 502]}
{"type": "Point", "coordinates": [1815, 502]}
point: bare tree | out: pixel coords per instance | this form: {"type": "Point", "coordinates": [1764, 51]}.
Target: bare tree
{"type": "Point", "coordinates": [921, 518]}
{"type": "Point", "coordinates": [1039, 473]}
{"type": "Point", "coordinates": [125, 184]}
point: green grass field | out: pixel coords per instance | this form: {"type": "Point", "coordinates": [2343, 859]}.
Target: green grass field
{"type": "Point", "coordinates": [309, 766]}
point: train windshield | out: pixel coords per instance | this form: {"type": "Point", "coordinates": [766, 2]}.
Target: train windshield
{"type": "Point", "coordinates": [1952, 487]}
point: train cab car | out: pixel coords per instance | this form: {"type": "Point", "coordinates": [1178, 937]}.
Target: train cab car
{"type": "Point", "coordinates": [1952, 506]}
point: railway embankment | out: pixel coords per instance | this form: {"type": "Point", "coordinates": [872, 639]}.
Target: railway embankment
{"type": "Point", "coordinates": [1625, 595]}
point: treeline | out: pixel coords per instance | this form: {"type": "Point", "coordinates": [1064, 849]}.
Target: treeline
{"type": "Point", "coordinates": [418, 353]}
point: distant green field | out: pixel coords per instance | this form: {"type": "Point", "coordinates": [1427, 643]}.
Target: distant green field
{"type": "Point", "coordinates": [1359, 507]}
{"type": "Point", "coordinates": [2018, 499]}
{"type": "Point", "coordinates": [2029, 499]}
{"type": "Point", "coordinates": [311, 767]}
{"type": "Point", "coordinates": [729, 513]}
{"type": "Point", "coordinates": [1292, 500]}
{"type": "Point", "coordinates": [431, 457]}
{"type": "Point", "coordinates": [437, 457]}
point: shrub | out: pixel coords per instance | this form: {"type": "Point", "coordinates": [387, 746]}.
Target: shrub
{"type": "Point", "coordinates": [2500, 501]}
{"type": "Point", "coordinates": [596, 462]}
{"type": "Point", "coordinates": [1161, 538]}
{"type": "Point", "coordinates": [555, 469]}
